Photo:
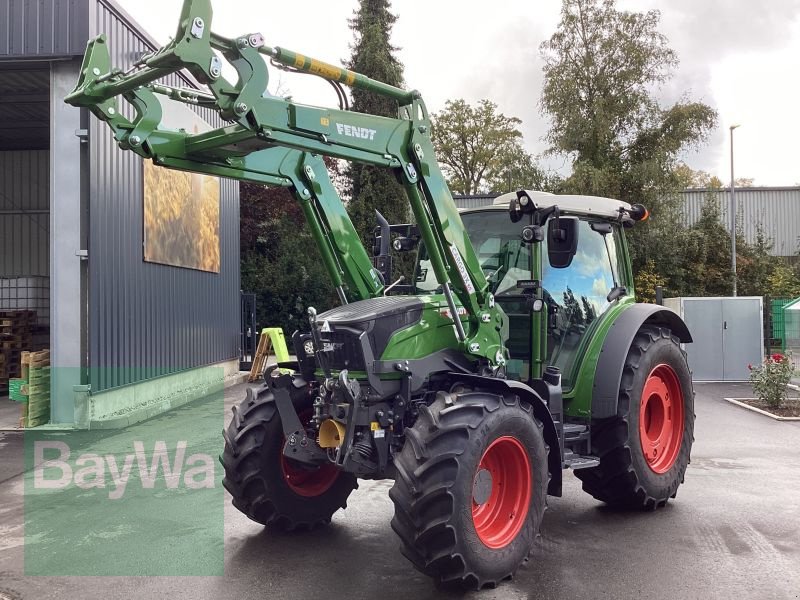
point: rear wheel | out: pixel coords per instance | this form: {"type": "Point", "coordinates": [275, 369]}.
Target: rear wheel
{"type": "Point", "coordinates": [265, 485]}
{"type": "Point", "coordinates": [644, 450]}
{"type": "Point", "coordinates": [471, 487]}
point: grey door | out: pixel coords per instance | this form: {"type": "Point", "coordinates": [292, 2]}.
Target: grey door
{"type": "Point", "coordinates": [741, 325]}
{"type": "Point", "coordinates": [705, 322]}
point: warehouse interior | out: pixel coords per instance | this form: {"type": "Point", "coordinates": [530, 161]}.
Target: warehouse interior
{"type": "Point", "coordinates": [24, 214]}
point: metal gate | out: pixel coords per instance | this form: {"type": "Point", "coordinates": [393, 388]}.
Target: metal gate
{"type": "Point", "coordinates": [247, 337]}
{"type": "Point", "coordinates": [727, 334]}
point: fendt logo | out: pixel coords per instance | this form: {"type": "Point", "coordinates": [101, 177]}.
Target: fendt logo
{"type": "Point", "coordinates": [363, 133]}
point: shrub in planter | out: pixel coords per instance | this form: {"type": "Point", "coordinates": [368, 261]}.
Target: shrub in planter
{"type": "Point", "coordinates": [769, 380]}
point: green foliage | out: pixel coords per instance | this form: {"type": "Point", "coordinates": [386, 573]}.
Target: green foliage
{"type": "Point", "coordinates": [647, 280]}
{"type": "Point", "coordinates": [783, 282]}
{"type": "Point", "coordinates": [480, 150]}
{"type": "Point", "coordinates": [373, 55]}
{"type": "Point", "coordinates": [754, 264]}
{"type": "Point", "coordinates": [707, 254]}
{"type": "Point", "coordinates": [601, 67]}
{"type": "Point", "coordinates": [769, 380]}
{"type": "Point", "coordinates": [279, 261]}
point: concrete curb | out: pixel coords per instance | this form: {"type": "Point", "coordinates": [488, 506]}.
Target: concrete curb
{"type": "Point", "coordinates": [143, 413]}
{"type": "Point", "coordinates": [758, 410]}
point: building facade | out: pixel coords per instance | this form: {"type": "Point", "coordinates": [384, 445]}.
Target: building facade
{"type": "Point", "coordinates": [126, 335]}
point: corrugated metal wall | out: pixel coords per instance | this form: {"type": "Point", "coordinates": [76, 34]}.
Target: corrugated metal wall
{"type": "Point", "coordinates": [776, 210]}
{"type": "Point", "coordinates": [147, 319]}
{"type": "Point", "coordinates": [24, 213]}
{"type": "Point", "coordinates": [43, 28]}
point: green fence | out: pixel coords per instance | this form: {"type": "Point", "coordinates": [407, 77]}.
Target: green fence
{"type": "Point", "coordinates": [777, 324]}
{"type": "Point", "coordinates": [791, 327]}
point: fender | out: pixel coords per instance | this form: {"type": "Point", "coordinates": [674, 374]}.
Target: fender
{"type": "Point", "coordinates": [608, 373]}
{"type": "Point", "coordinates": [540, 411]}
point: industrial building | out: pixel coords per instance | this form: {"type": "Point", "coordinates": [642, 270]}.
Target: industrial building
{"type": "Point", "coordinates": [131, 326]}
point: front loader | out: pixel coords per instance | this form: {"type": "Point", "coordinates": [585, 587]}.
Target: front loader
{"type": "Point", "coordinates": [517, 350]}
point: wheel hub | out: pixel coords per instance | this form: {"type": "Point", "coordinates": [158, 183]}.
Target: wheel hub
{"type": "Point", "coordinates": [661, 418]}
{"type": "Point", "coordinates": [501, 492]}
{"type": "Point", "coordinates": [482, 488]}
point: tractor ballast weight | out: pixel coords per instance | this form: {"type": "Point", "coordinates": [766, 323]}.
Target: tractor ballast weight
{"type": "Point", "coordinates": [517, 350]}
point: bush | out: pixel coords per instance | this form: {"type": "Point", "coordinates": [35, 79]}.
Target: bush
{"type": "Point", "coordinates": [771, 379]}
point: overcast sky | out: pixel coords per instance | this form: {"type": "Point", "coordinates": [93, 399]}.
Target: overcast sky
{"type": "Point", "coordinates": [739, 56]}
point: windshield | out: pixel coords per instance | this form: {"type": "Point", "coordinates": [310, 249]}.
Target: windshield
{"type": "Point", "coordinates": [500, 251]}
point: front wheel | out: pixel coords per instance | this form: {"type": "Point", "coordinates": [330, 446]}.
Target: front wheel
{"type": "Point", "coordinates": [644, 450]}
{"type": "Point", "coordinates": [268, 487]}
{"type": "Point", "coordinates": [470, 490]}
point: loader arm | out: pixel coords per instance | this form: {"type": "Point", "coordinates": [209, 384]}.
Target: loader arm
{"type": "Point", "coordinates": [277, 141]}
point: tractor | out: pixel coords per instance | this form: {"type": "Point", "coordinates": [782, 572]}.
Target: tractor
{"type": "Point", "coordinates": [516, 351]}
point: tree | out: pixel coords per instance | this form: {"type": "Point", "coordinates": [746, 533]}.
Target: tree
{"type": "Point", "coordinates": [754, 264]}
{"type": "Point", "coordinates": [373, 55]}
{"type": "Point", "coordinates": [279, 260]}
{"type": "Point", "coordinates": [480, 149]}
{"type": "Point", "coordinates": [647, 280]}
{"type": "Point", "coordinates": [601, 67]}
{"type": "Point", "coordinates": [783, 282]}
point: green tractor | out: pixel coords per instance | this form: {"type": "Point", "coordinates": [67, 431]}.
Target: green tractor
{"type": "Point", "coordinates": [516, 352]}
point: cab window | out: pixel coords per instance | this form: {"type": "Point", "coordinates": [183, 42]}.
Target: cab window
{"type": "Point", "coordinates": [577, 295]}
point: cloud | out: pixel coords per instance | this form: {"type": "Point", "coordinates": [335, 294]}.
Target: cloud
{"type": "Point", "coordinates": [474, 49]}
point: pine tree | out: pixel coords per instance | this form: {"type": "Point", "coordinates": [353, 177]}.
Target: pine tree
{"type": "Point", "coordinates": [373, 55]}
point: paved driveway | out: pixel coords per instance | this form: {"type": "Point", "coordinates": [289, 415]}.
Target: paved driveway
{"type": "Point", "coordinates": [733, 532]}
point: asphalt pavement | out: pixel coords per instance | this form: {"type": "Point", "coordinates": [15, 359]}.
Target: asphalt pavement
{"type": "Point", "coordinates": [732, 532]}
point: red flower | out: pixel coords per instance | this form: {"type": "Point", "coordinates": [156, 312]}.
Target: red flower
{"type": "Point", "coordinates": [777, 357]}
{"type": "Point", "coordinates": [749, 367]}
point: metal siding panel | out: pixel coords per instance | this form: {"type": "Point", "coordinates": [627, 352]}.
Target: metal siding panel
{"type": "Point", "coordinates": [43, 28]}
{"type": "Point", "coordinates": [5, 30]}
{"type": "Point", "coordinates": [16, 27]}
{"type": "Point", "coordinates": [25, 234]}
{"type": "Point", "coordinates": [777, 210]}
{"type": "Point", "coordinates": [145, 316]}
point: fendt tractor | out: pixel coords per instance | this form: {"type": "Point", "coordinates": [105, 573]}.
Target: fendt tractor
{"type": "Point", "coordinates": [514, 352]}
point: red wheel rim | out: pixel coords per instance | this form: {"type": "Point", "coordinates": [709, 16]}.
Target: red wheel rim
{"type": "Point", "coordinates": [305, 481]}
{"type": "Point", "coordinates": [661, 419]}
{"type": "Point", "coordinates": [499, 517]}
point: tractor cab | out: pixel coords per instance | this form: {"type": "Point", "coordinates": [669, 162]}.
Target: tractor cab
{"type": "Point", "coordinates": [578, 285]}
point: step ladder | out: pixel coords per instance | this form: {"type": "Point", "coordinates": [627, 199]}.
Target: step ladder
{"type": "Point", "coordinates": [270, 341]}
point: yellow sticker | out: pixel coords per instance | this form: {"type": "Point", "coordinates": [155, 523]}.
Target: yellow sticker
{"type": "Point", "coordinates": [299, 61]}
{"type": "Point", "coordinates": [374, 426]}
{"type": "Point", "coordinates": [324, 121]}
{"type": "Point", "coordinates": [325, 70]}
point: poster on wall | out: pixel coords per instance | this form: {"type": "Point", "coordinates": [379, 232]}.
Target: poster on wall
{"type": "Point", "coordinates": [181, 210]}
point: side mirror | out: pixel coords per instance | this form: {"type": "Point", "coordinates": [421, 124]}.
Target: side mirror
{"type": "Point", "coordinates": [562, 241]}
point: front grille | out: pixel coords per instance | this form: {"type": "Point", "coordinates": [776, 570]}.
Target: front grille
{"type": "Point", "coordinates": [343, 350]}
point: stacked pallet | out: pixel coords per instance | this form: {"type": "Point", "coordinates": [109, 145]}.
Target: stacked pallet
{"type": "Point", "coordinates": [16, 333]}
{"type": "Point", "coordinates": [36, 365]}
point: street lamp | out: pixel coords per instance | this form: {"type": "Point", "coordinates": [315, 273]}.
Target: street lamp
{"type": "Point", "coordinates": [733, 216]}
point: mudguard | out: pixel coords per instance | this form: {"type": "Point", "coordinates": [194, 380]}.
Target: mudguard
{"type": "Point", "coordinates": [540, 411]}
{"type": "Point", "coordinates": [608, 373]}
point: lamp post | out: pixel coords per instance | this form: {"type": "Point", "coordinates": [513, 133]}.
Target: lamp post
{"type": "Point", "coordinates": [733, 216]}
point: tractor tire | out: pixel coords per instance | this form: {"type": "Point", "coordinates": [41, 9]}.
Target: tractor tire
{"type": "Point", "coordinates": [265, 485]}
{"type": "Point", "coordinates": [471, 488]}
{"type": "Point", "coordinates": [644, 450]}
